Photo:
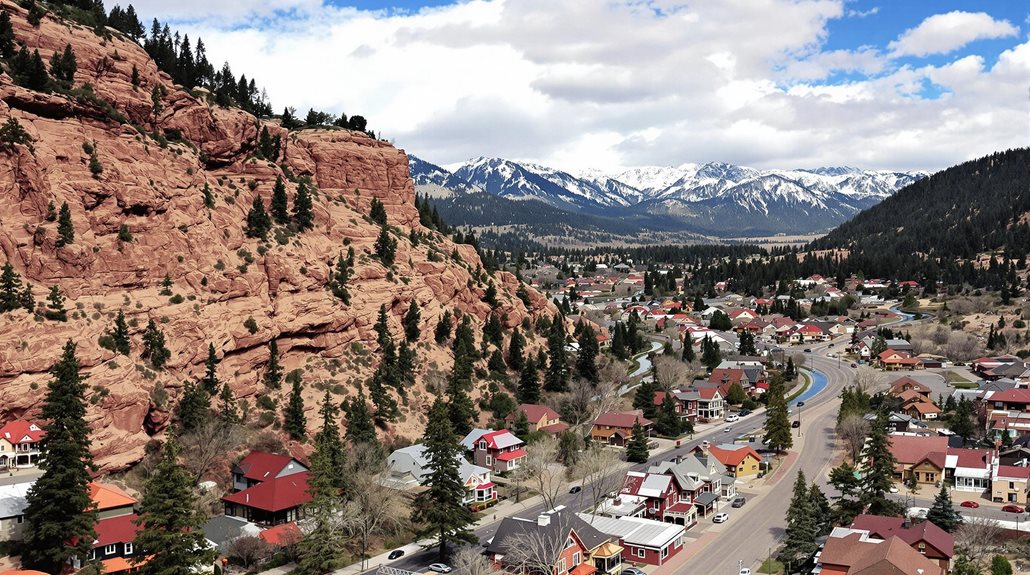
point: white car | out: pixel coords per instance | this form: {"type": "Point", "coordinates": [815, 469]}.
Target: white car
{"type": "Point", "coordinates": [732, 418]}
{"type": "Point", "coordinates": [439, 568]}
{"type": "Point", "coordinates": [728, 429]}
{"type": "Point", "coordinates": [894, 489]}
{"type": "Point", "coordinates": [745, 571]}
{"type": "Point", "coordinates": [720, 518]}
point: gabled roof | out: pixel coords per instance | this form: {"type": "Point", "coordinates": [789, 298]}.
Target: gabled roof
{"type": "Point", "coordinates": [885, 527]}
{"type": "Point", "coordinates": [22, 431]}
{"type": "Point", "coordinates": [624, 419]}
{"type": "Point", "coordinates": [274, 495]}
{"type": "Point", "coordinates": [862, 556]}
{"type": "Point", "coordinates": [285, 533]}
{"type": "Point", "coordinates": [262, 466]}
{"type": "Point", "coordinates": [911, 449]}
{"type": "Point", "coordinates": [469, 441]}
{"type": "Point", "coordinates": [121, 529]}
{"type": "Point", "coordinates": [1020, 395]}
{"type": "Point", "coordinates": [914, 384]}
{"type": "Point", "coordinates": [107, 496]}
{"type": "Point", "coordinates": [733, 455]}
{"type": "Point", "coordinates": [558, 521]}
{"type": "Point", "coordinates": [501, 439]}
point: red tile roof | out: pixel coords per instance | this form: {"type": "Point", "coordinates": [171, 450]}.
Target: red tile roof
{"type": "Point", "coordinates": [733, 457]}
{"type": "Point", "coordinates": [113, 530]}
{"type": "Point", "coordinates": [624, 419]}
{"type": "Point", "coordinates": [1020, 395]}
{"type": "Point", "coordinates": [534, 412]}
{"type": "Point", "coordinates": [511, 455]}
{"type": "Point", "coordinates": [885, 527]}
{"type": "Point", "coordinates": [21, 431]}
{"type": "Point", "coordinates": [285, 533]}
{"type": "Point", "coordinates": [913, 449]}
{"type": "Point", "coordinates": [275, 494]}
{"type": "Point", "coordinates": [262, 466]}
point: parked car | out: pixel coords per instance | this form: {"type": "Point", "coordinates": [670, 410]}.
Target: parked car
{"type": "Point", "coordinates": [854, 365]}
{"type": "Point", "coordinates": [739, 502]}
{"type": "Point", "coordinates": [1012, 509]}
{"type": "Point", "coordinates": [632, 571]}
{"type": "Point", "coordinates": [720, 518]}
{"type": "Point", "coordinates": [795, 424]}
{"type": "Point", "coordinates": [440, 568]}
{"type": "Point", "coordinates": [575, 489]}
{"type": "Point", "coordinates": [745, 571]}
{"type": "Point", "coordinates": [970, 504]}
{"type": "Point", "coordinates": [732, 418]}
{"type": "Point", "coordinates": [744, 412]}
{"type": "Point", "coordinates": [831, 345]}
{"type": "Point", "coordinates": [396, 553]}
{"type": "Point", "coordinates": [808, 350]}
{"type": "Point", "coordinates": [894, 489]}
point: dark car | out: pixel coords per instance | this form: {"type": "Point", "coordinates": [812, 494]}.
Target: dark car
{"type": "Point", "coordinates": [795, 423]}
{"type": "Point", "coordinates": [575, 489]}
{"type": "Point", "coordinates": [800, 404]}
{"type": "Point", "coordinates": [831, 345]}
{"type": "Point", "coordinates": [854, 365]}
{"type": "Point", "coordinates": [396, 553]}
{"type": "Point", "coordinates": [739, 502]}
{"type": "Point", "coordinates": [808, 350]}
{"type": "Point", "coordinates": [744, 412]}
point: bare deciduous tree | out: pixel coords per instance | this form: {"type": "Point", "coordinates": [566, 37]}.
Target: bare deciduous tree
{"type": "Point", "coordinates": [799, 360]}
{"type": "Point", "coordinates": [248, 550]}
{"type": "Point", "coordinates": [672, 373]}
{"type": "Point", "coordinates": [867, 380]}
{"type": "Point", "coordinates": [208, 447]}
{"type": "Point", "coordinates": [853, 429]}
{"type": "Point", "coordinates": [470, 561]}
{"type": "Point", "coordinates": [536, 550]}
{"type": "Point", "coordinates": [977, 539]}
{"type": "Point", "coordinates": [542, 470]}
{"type": "Point", "coordinates": [371, 509]}
{"type": "Point", "coordinates": [600, 469]}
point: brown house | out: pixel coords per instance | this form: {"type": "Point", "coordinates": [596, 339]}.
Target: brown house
{"type": "Point", "coordinates": [616, 427]}
{"type": "Point", "coordinates": [858, 553]}
{"type": "Point", "coordinates": [540, 417]}
{"type": "Point", "coordinates": [927, 538]}
{"type": "Point", "coordinates": [906, 383]}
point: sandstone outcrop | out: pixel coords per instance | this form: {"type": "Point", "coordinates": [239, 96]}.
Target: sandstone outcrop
{"type": "Point", "coordinates": [155, 188]}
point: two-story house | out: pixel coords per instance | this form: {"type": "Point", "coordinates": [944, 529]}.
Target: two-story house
{"type": "Point", "coordinates": [409, 467]}
{"type": "Point", "coordinates": [925, 537]}
{"type": "Point", "coordinates": [643, 540]}
{"type": "Point", "coordinates": [260, 466]}
{"type": "Point", "coordinates": [499, 451]}
{"type": "Point", "coordinates": [711, 404]}
{"type": "Point", "coordinates": [577, 548]}
{"type": "Point", "coordinates": [1010, 484]}
{"type": "Point", "coordinates": [540, 418]}
{"type": "Point", "coordinates": [19, 443]}
{"type": "Point", "coordinates": [702, 480]}
{"type": "Point", "coordinates": [686, 403]}
{"type": "Point", "coordinates": [269, 489]}
{"type": "Point", "coordinates": [13, 501]}
{"type": "Point", "coordinates": [616, 427]}
{"type": "Point", "coordinates": [741, 460]}
{"type": "Point", "coordinates": [658, 491]}
{"type": "Point", "coordinates": [116, 528]}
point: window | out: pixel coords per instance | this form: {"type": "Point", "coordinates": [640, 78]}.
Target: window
{"type": "Point", "coordinates": [128, 548]}
{"type": "Point", "coordinates": [640, 552]}
{"type": "Point", "coordinates": [110, 549]}
{"type": "Point", "coordinates": [19, 519]}
{"type": "Point", "coordinates": [576, 559]}
{"type": "Point", "coordinates": [482, 445]}
{"type": "Point", "coordinates": [489, 460]}
{"type": "Point", "coordinates": [665, 552]}
{"type": "Point", "coordinates": [561, 565]}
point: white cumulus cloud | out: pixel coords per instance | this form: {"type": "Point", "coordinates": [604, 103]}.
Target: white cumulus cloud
{"type": "Point", "coordinates": [944, 33]}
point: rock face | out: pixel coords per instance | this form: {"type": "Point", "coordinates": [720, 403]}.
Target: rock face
{"type": "Point", "coordinates": [223, 278]}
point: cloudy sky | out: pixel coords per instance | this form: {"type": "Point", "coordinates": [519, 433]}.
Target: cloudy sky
{"type": "Point", "coordinates": [913, 84]}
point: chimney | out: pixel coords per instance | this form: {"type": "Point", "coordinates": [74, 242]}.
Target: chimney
{"type": "Point", "coordinates": [543, 520]}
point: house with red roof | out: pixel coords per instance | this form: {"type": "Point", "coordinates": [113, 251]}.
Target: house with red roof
{"type": "Point", "coordinates": [116, 529]}
{"type": "Point", "coordinates": [926, 537]}
{"type": "Point", "coordinates": [1016, 399]}
{"type": "Point", "coordinates": [918, 455]}
{"type": "Point", "coordinates": [658, 491]}
{"type": "Point", "coordinates": [806, 332]}
{"type": "Point", "coordinates": [711, 402]}
{"type": "Point", "coordinates": [271, 502]}
{"type": "Point", "coordinates": [1010, 484]}
{"type": "Point", "coordinates": [260, 466]}
{"type": "Point", "coordinates": [747, 379]}
{"type": "Point", "coordinates": [616, 427]}
{"type": "Point", "coordinates": [741, 461]}
{"type": "Point", "coordinates": [856, 552]}
{"type": "Point", "coordinates": [686, 403]}
{"type": "Point", "coordinates": [906, 383]}
{"type": "Point", "coordinates": [540, 417]}
{"type": "Point", "coordinates": [19, 443]}
{"type": "Point", "coordinates": [282, 535]}
{"type": "Point", "coordinates": [893, 360]}
{"type": "Point", "coordinates": [498, 451]}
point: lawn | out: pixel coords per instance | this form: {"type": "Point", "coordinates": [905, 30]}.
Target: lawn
{"type": "Point", "coordinates": [771, 566]}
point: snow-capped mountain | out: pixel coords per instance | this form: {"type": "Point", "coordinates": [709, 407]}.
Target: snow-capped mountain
{"type": "Point", "coordinates": [436, 182]}
{"type": "Point", "coordinates": [714, 198]}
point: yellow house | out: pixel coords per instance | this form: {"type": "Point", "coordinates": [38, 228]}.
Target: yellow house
{"type": "Point", "coordinates": [1010, 485]}
{"type": "Point", "coordinates": [740, 460]}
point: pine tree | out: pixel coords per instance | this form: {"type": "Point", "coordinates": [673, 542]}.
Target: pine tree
{"type": "Point", "coordinates": [55, 305]}
{"type": "Point", "coordinates": [377, 212]}
{"type": "Point", "coordinates": [668, 421]}
{"type": "Point", "coordinates": [194, 407]}
{"type": "Point", "coordinates": [59, 510]}
{"type": "Point", "coordinates": [439, 506]}
{"type": "Point", "coordinates": [228, 410]}
{"type": "Point", "coordinates": [170, 540]}
{"type": "Point", "coordinates": [406, 366]}
{"type": "Point", "coordinates": [360, 427]}
{"type": "Point", "coordinates": [619, 341]}
{"type": "Point", "coordinates": [258, 223]}
{"type": "Point", "coordinates": [385, 405]}
{"type": "Point", "coordinates": [209, 197]}
{"type": "Point", "coordinates": [462, 411]}
{"type": "Point", "coordinates": [329, 443]}
{"type": "Point", "coordinates": [710, 356]}
{"type": "Point", "coordinates": [586, 358]}
{"type": "Point", "coordinates": [10, 286]}
{"type": "Point", "coordinates": [273, 372]}
{"type": "Point", "coordinates": [516, 350]}
{"type": "Point", "coordinates": [302, 214]}
{"type": "Point", "coordinates": [556, 379]}
{"type": "Point", "coordinates": [529, 383]}
{"type": "Point", "coordinates": [386, 247]}
{"type": "Point", "coordinates": [942, 513]}
{"type": "Point", "coordinates": [442, 332]}
{"type": "Point", "coordinates": [790, 372]}
{"type": "Point", "coordinates": [27, 301]}
{"type": "Point", "coordinates": [777, 422]}
{"type": "Point", "coordinates": [520, 427]}
{"type": "Point", "coordinates": [210, 380]}
{"type": "Point", "coordinates": [688, 348]}
{"type": "Point", "coordinates": [322, 548]}
{"type": "Point", "coordinates": [877, 468]}
{"type": "Point", "coordinates": [636, 448]}
{"type": "Point", "coordinates": [120, 334]}
{"type": "Point", "coordinates": [411, 322]}
{"type": "Point", "coordinates": [6, 35]}
{"type": "Point", "coordinates": [802, 524]}
{"type": "Point", "coordinates": [65, 228]}
{"type": "Point", "coordinates": [643, 397]}
{"type": "Point", "coordinates": [823, 510]}
{"type": "Point", "coordinates": [280, 208]}
{"type": "Point", "coordinates": [736, 395]}
{"type": "Point", "coordinates": [154, 346]}
{"type": "Point", "coordinates": [747, 344]}
{"type": "Point", "coordinates": [294, 421]}
{"type": "Point", "coordinates": [339, 275]}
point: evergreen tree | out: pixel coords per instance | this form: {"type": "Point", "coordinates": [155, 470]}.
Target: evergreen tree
{"type": "Point", "coordinates": [385, 406]}
{"type": "Point", "coordinates": [747, 344]}
{"type": "Point", "coordinates": [329, 443]}
{"type": "Point", "coordinates": [668, 422]}
{"type": "Point", "coordinates": [154, 346]}
{"type": "Point", "coordinates": [802, 524]}
{"type": "Point", "coordinates": [823, 510]}
{"type": "Point", "coordinates": [490, 295]}
{"type": "Point", "coordinates": [556, 379]}
{"type": "Point", "coordinates": [280, 208]}
{"type": "Point", "coordinates": [27, 301]}
{"type": "Point", "coordinates": [338, 277]}
{"type": "Point", "coordinates": [619, 341]}
{"type": "Point", "coordinates": [777, 422]}
{"type": "Point", "coordinates": [586, 359]}
{"type": "Point", "coordinates": [878, 468]}
{"type": "Point", "coordinates": [736, 395]}
{"type": "Point", "coordinates": [55, 305]}
{"type": "Point", "coordinates": [63, 65]}
{"type": "Point", "coordinates": [6, 35]}
{"type": "Point", "coordinates": [65, 229]}
{"type": "Point", "coordinates": [170, 539]}
{"type": "Point", "coordinates": [377, 212]}
{"type": "Point", "coordinates": [462, 411]}
{"type": "Point", "coordinates": [1000, 565]}
{"type": "Point", "coordinates": [274, 372]}
{"type": "Point", "coordinates": [520, 427]}
{"type": "Point", "coordinates": [442, 332]}
{"type": "Point", "coordinates": [194, 407]}
{"type": "Point", "coordinates": [294, 422]}
{"type": "Point", "coordinates": [59, 510]}
{"type": "Point", "coordinates": [210, 380]}
{"type": "Point", "coordinates": [493, 331]}
{"type": "Point", "coordinates": [258, 223]}
{"type": "Point", "coordinates": [942, 513]}
{"type": "Point", "coordinates": [710, 355]}
{"type": "Point", "coordinates": [790, 372]}
{"type": "Point", "coordinates": [228, 410]}
{"type": "Point", "coordinates": [10, 285]}
{"type": "Point", "coordinates": [386, 247]}
{"type": "Point", "coordinates": [529, 383]}
{"type": "Point", "coordinates": [411, 322]}
{"type": "Point", "coordinates": [516, 350]}
{"type": "Point", "coordinates": [360, 427]}
{"type": "Point", "coordinates": [406, 367]}
{"type": "Point", "coordinates": [209, 197]}
{"type": "Point", "coordinates": [636, 448]}
{"type": "Point", "coordinates": [439, 507]}
{"type": "Point", "coordinates": [303, 217]}
{"type": "Point", "coordinates": [688, 348]}
{"type": "Point", "coordinates": [322, 548]}
{"type": "Point", "coordinates": [643, 397]}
